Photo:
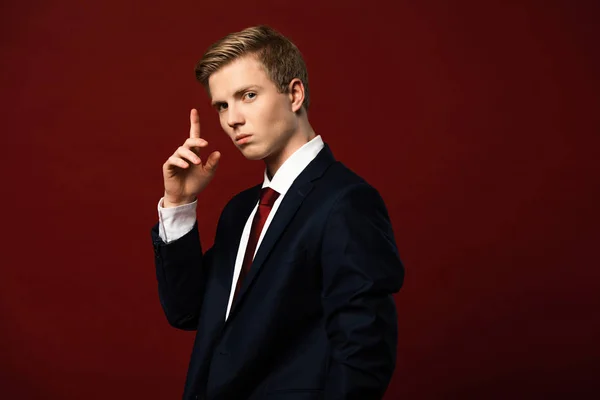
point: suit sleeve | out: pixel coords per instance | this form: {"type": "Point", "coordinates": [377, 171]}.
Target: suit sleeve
{"type": "Point", "coordinates": [181, 270]}
{"type": "Point", "coordinates": [361, 271]}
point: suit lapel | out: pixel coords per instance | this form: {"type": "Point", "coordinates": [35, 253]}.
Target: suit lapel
{"type": "Point", "coordinates": [287, 209]}
{"type": "Point", "coordinates": [234, 235]}
{"type": "Point", "coordinates": [240, 222]}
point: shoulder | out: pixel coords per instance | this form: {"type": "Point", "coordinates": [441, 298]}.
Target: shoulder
{"type": "Point", "coordinates": [344, 184]}
{"type": "Point", "coordinates": [239, 204]}
{"type": "Point", "coordinates": [248, 195]}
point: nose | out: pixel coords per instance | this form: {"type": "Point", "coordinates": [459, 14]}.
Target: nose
{"type": "Point", "coordinates": [234, 117]}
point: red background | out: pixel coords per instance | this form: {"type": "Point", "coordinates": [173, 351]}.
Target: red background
{"type": "Point", "coordinates": [478, 123]}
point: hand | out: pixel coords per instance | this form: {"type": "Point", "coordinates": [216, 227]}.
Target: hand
{"type": "Point", "coordinates": [184, 174]}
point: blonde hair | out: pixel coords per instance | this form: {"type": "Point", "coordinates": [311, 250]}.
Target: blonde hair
{"type": "Point", "coordinates": [279, 56]}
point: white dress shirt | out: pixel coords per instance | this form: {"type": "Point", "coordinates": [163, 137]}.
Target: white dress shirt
{"type": "Point", "coordinates": [175, 222]}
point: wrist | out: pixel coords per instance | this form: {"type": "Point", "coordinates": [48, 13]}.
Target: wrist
{"type": "Point", "coordinates": [168, 203]}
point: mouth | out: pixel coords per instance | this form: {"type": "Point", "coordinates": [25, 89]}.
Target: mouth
{"type": "Point", "coordinates": [242, 138]}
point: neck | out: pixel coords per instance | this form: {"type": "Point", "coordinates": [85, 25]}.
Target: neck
{"type": "Point", "coordinates": [304, 135]}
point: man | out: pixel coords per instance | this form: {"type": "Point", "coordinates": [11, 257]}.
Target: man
{"type": "Point", "coordinates": [294, 299]}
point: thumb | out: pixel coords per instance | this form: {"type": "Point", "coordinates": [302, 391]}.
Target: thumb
{"type": "Point", "coordinates": [212, 162]}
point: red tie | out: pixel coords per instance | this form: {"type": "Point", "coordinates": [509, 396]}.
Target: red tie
{"type": "Point", "coordinates": [267, 199]}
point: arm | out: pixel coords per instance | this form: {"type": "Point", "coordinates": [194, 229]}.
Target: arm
{"type": "Point", "coordinates": [181, 270]}
{"type": "Point", "coordinates": [361, 270]}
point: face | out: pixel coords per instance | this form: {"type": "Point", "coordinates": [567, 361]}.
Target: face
{"type": "Point", "coordinates": [260, 121]}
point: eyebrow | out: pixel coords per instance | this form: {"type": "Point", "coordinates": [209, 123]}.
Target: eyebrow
{"type": "Point", "coordinates": [237, 93]}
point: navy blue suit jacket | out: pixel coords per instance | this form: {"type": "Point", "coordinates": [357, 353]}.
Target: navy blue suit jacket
{"type": "Point", "coordinates": [315, 317]}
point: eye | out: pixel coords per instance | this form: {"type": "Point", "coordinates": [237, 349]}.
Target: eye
{"type": "Point", "coordinates": [250, 96]}
{"type": "Point", "coordinates": [221, 107]}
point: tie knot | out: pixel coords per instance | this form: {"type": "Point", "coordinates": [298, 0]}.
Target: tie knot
{"type": "Point", "coordinates": [268, 196]}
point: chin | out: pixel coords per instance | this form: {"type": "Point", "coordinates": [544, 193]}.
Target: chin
{"type": "Point", "coordinates": [252, 153]}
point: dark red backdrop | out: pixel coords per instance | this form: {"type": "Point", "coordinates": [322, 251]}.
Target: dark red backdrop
{"type": "Point", "coordinates": [479, 125]}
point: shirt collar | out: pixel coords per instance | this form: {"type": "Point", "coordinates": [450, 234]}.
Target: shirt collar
{"type": "Point", "coordinates": [293, 166]}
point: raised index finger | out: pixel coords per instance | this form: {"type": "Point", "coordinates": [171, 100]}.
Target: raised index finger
{"type": "Point", "coordinates": [194, 124]}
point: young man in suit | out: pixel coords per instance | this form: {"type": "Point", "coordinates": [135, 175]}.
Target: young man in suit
{"type": "Point", "coordinates": [294, 299]}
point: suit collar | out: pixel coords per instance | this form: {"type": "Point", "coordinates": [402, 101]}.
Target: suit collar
{"type": "Point", "coordinates": [317, 167]}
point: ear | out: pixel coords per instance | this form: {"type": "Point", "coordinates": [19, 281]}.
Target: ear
{"type": "Point", "coordinates": [296, 94]}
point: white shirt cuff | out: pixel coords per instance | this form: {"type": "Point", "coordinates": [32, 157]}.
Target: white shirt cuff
{"type": "Point", "coordinates": [175, 222]}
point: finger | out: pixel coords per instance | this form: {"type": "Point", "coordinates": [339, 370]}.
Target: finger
{"type": "Point", "coordinates": [195, 142]}
{"type": "Point", "coordinates": [212, 162]}
{"type": "Point", "coordinates": [187, 155]}
{"type": "Point", "coordinates": [194, 124]}
{"type": "Point", "coordinates": [175, 161]}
